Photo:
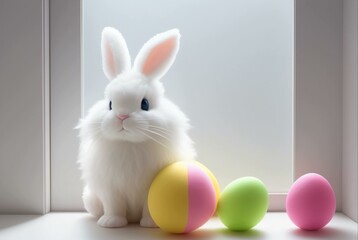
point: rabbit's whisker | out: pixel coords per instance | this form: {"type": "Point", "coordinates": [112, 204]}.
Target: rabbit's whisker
{"type": "Point", "coordinates": [157, 141]}
{"type": "Point", "coordinates": [156, 128]}
{"type": "Point", "coordinates": [158, 134]}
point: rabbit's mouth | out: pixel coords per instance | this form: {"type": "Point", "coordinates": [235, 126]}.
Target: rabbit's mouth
{"type": "Point", "coordinates": [122, 130]}
{"type": "Point", "coordinates": [123, 134]}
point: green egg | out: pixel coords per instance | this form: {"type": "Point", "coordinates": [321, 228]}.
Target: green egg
{"type": "Point", "coordinates": [243, 203]}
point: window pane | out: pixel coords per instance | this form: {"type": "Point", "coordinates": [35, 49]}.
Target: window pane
{"type": "Point", "coordinates": [232, 76]}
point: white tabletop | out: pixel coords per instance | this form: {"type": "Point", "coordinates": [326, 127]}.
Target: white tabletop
{"type": "Point", "coordinates": [78, 226]}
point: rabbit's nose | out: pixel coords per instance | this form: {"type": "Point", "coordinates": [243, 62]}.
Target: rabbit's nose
{"type": "Point", "coordinates": [122, 116]}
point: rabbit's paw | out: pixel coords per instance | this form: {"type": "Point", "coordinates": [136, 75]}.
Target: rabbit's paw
{"type": "Point", "coordinates": [92, 204]}
{"type": "Point", "coordinates": [110, 221]}
{"type": "Point", "coordinates": [147, 222]}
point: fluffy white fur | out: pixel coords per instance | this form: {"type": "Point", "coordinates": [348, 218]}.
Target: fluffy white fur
{"type": "Point", "coordinates": [119, 159]}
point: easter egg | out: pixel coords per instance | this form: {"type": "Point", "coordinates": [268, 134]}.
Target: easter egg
{"type": "Point", "coordinates": [182, 197]}
{"type": "Point", "coordinates": [213, 179]}
{"type": "Point", "coordinates": [243, 203]}
{"type": "Point", "coordinates": [311, 202]}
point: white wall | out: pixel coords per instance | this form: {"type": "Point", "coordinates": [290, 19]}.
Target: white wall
{"type": "Point", "coordinates": [318, 103]}
{"type": "Point", "coordinates": [65, 30]}
{"type": "Point", "coordinates": [350, 63]}
{"type": "Point", "coordinates": [23, 103]}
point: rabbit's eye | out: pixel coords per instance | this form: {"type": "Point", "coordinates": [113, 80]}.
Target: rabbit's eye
{"type": "Point", "coordinates": [145, 104]}
{"type": "Point", "coordinates": [110, 105]}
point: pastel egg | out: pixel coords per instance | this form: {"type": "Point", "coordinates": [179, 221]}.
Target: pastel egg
{"type": "Point", "coordinates": [212, 178]}
{"type": "Point", "coordinates": [243, 203]}
{"type": "Point", "coordinates": [182, 197]}
{"type": "Point", "coordinates": [311, 202]}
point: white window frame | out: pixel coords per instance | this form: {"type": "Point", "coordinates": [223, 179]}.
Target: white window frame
{"type": "Point", "coordinates": [314, 148]}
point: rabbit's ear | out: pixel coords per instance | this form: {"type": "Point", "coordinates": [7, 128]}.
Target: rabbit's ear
{"type": "Point", "coordinates": [115, 54]}
{"type": "Point", "coordinates": [158, 54]}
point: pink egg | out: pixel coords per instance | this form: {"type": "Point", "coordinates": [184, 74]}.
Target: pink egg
{"type": "Point", "coordinates": [311, 202]}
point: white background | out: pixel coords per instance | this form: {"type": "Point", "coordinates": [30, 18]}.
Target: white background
{"type": "Point", "coordinates": [232, 76]}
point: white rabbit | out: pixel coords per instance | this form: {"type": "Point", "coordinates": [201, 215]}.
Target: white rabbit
{"type": "Point", "coordinates": [132, 133]}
